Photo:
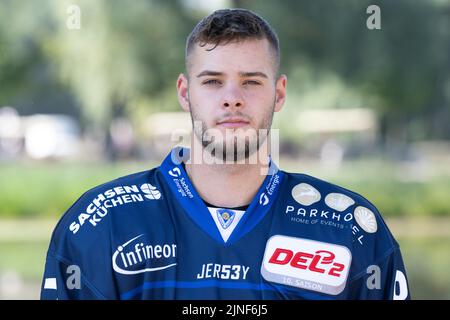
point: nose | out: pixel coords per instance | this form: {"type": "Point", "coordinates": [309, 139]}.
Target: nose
{"type": "Point", "coordinates": [232, 97]}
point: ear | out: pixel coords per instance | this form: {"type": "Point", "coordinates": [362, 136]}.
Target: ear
{"type": "Point", "coordinates": [280, 91]}
{"type": "Point", "coordinates": [183, 92]}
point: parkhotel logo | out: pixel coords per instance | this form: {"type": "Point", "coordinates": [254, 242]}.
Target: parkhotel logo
{"type": "Point", "coordinates": [229, 146]}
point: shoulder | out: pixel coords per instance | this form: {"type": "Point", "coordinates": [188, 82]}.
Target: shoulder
{"type": "Point", "coordinates": [86, 221]}
{"type": "Point", "coordinates": [335, 196]}
{"type": "Point", "coordinates": [358, 218]}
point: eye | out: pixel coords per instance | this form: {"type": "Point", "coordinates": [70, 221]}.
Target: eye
{"type": "Point", "coordinates": [212, 81]}
{"type": "Point", "coordinates": [251, 82]}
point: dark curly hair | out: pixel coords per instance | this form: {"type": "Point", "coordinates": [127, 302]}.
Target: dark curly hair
{"type": "Point", "coordinates": [226, 25]}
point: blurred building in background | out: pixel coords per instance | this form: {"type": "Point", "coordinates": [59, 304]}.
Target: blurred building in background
{"type": "Point", "coordinates": [59, 137]}
{"type": "Point", "coordinates": [40, 136]}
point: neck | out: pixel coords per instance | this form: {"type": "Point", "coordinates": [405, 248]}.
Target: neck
{"type": "Point", "coordinates": [227, 185]}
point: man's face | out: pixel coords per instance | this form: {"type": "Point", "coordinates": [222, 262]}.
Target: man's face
{"type": "Point", "coordinates": [231, 94]}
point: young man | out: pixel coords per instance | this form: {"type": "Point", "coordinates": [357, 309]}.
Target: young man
{"type": "Point", "coordinates": [219, 220]}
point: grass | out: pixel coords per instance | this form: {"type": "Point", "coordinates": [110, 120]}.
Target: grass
{"type": "Point", "coordinates": [427, 261]}
{"type": "Point", "coordinates": [48, 189]}
{"type": "Point", "coordinates": [25, 258]}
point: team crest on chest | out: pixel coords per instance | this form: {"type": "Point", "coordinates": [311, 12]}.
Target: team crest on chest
{"type": "Point", "coordinates": [225, 217]}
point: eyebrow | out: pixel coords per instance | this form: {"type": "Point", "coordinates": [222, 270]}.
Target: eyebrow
{"type": "Point", "coordinates": [241, 74]}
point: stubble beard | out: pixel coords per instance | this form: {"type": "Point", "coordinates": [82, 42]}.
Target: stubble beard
{"type": "Point", "coordinates": [235, 145]}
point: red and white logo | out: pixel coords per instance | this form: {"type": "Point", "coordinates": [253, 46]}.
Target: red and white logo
{"type": "Point", "coordinates": [308, 264]}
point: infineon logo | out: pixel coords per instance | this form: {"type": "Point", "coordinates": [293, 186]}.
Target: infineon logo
{"type": "Point", "coordinates": [307, 264]}
{"type": "Point", "coordinates": [137, 256]}
{"type": "Point", "coordinates": [114, 197]}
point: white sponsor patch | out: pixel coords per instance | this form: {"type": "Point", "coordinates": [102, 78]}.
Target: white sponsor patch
{"type": "Point", "coordinates": [402, 285]}
{"type": "Point", "coordinates": [366, 219]}
{"type": "Point", "coordinates": [305, 194]}
{"type": "Point", "coordinates": [50, 283]}
{"type": "Point", "coordinates": [307, 264]}
{"type": "Point", "coordinates": [338, 201]}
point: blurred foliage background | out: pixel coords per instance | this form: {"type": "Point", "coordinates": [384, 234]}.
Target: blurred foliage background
{"type": "Point", "coordinates": [81, 106]}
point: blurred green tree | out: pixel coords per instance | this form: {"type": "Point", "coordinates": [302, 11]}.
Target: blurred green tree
{"type": "Point", "coordinates": [406, 64]}
{"type": "Point", "coordinates": [125, 58]}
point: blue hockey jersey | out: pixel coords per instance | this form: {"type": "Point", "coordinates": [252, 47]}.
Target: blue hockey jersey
{"type": "Point", "coordinates": [149, 235]}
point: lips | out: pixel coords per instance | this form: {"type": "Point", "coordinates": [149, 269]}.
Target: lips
{"type": "Point", "coordinates": [233, 122]}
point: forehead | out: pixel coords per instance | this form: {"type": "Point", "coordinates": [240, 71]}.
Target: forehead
{"type": "Point", "coordinates": [247, 55]}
